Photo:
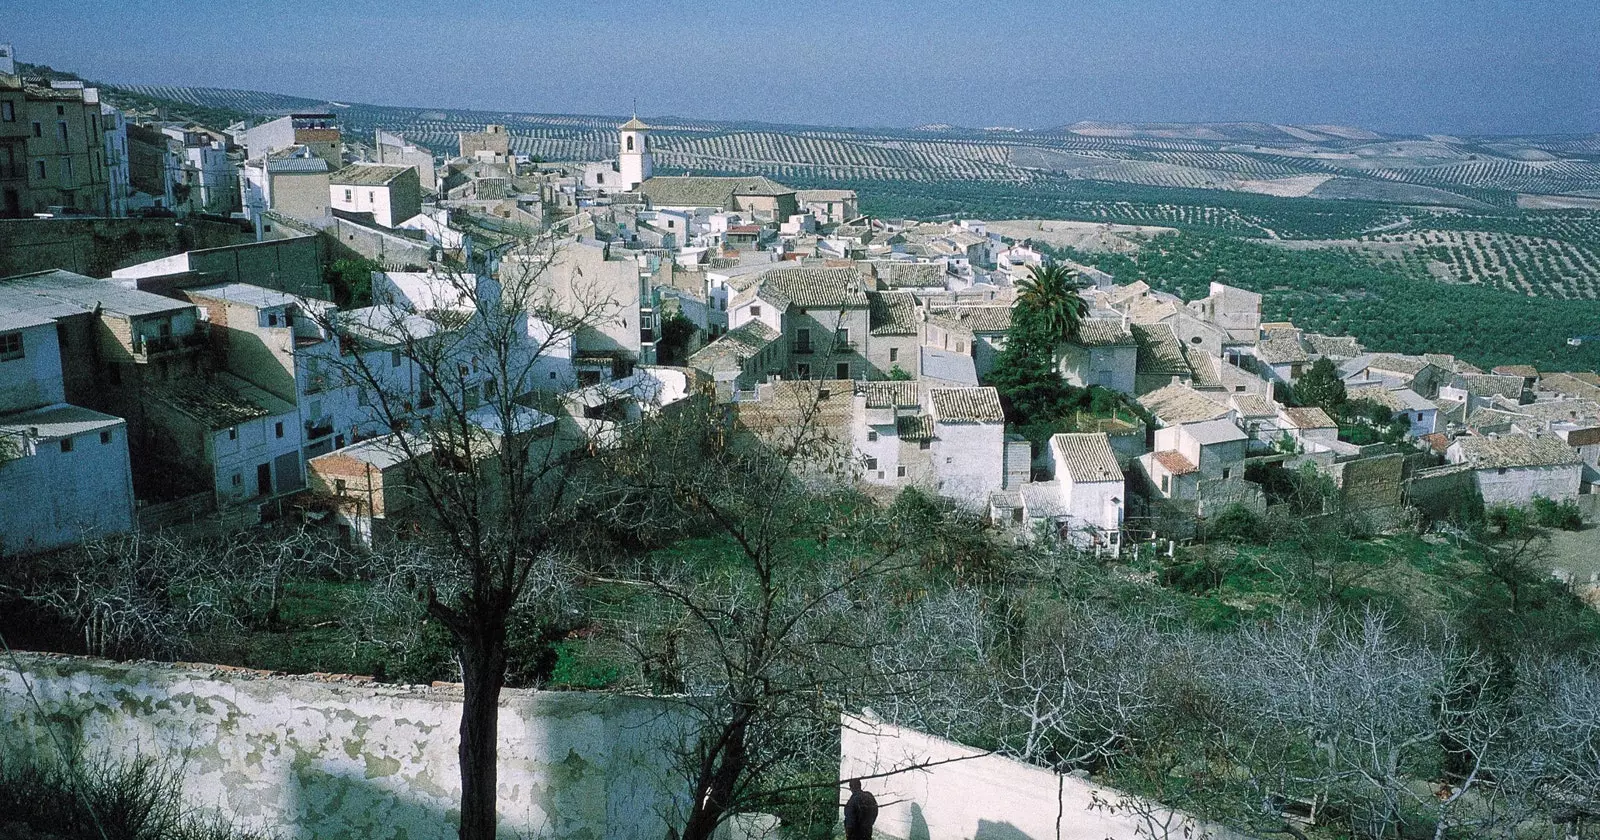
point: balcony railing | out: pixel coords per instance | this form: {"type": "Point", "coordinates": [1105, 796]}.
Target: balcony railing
{"type": "Point", "coordinates": [148, 346]}
{"type": "Point", "coordinates": [318, 429]}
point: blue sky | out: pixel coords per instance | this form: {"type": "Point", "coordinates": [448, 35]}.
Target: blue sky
{"type": "Point", "coordinates": [1463, 66]}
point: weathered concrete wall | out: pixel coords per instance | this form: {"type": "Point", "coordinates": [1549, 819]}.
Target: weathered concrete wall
{"type": "Point", "coordinates": [340, 759]}
{"type": "Point", "coordinates": [95, 247]}
{"type": "Point", "coordinates": [987, 797]}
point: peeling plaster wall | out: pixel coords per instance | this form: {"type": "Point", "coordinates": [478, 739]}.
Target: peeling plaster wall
{"type": "Point", "coordinates": [309, 758]}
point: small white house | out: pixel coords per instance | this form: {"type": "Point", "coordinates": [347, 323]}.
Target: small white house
{"type": "Point", "coordinates": [1512, 469]}
{"type": "Point", "coordinates": [392, 194]}
{"type": "Point", "coordinates": [1085, 501]}
{"type": "Point", "coordinates": [969, 428]}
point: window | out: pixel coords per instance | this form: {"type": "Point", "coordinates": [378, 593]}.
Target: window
{"type": "Point", "coordinates": [900, 471]}
{"type": "Point", "coordinates": [599, 178]}
{"type": "Point", "coordinates": [61, 130]}
{"type": "Point", "coordinates": [66, 169]}
{"type": "Point", "coordinates": [630, 142]}
{"type": "Point", "coordinates": [1225, 473]}
{"type": "Point", "coordinates": [394, 358]}
{"type": "Point", "coordinates": [105, 438]}
{"type": "Point", "coordinates": [38, 169]}
{"type": "Point", "coordinates": [961, 346]}
{"type": "Point", "coordinates": [371, 196]}
{"type": "Point", "coordinates": [238, 479]}
{"type": "Point", "coordinates": [841, 370]}
{"type": "Point", "coordinates": [66, 444]}
{"type": "Point", "coordinates": [872, 463]}
{"type": "Point", "coordinates": [894, 354]}
{"type": "Point", "coordinates": [94, 123]}
{"type": "Point", "coordinates": [233, 433]}
{"type": "Point", "coordinates": [1501, 471]}
{"type": "Point", "coordinates": [924, 444]}
{"type": "Point", "coordinates": [61, 110]}
{"type": "Point", "coordinates": [38, 130]}
{"type": "Point", "coordinates": [10, 346]}
{"type": "Point", "coordinates": [803, 371]}
{"type": "Point", "coordinates": [842, 337]}
{"type": "Point", "coordinates": [8, 111]}
{"type": "Point", "coordinates": [347, 196]}
{"type": "Point", "coordinates": [277, 429]}
{"type": "Point", "coordinates": [1166, 484]}
{"type": "Point", "coordinates": [872, 437]}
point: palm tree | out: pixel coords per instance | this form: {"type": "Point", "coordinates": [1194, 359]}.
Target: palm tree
{"type": "Point", "coordinates": [1051, 291]}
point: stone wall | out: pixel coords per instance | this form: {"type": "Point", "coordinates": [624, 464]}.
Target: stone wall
{"type": "Point", "coordinates": [964, 793]}
{"type": "Point", "coordinates": [346, 758]}
{"type": "Point", "coordinates": [95, 247]}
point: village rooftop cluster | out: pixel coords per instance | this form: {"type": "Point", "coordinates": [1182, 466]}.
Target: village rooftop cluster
{"type": "Point", "coordinates": [206, 379]}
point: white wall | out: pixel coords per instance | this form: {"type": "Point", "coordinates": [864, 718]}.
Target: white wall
{"type": "Point", "coordinates": [50, 499]}
{"type": "Point", "coordinates": [309, 758]}
{"type": "Point", "coordinates": [363, 199]}
{"type": "Point", "coordinates": [35, 379]}
{"type": "Point", "coordinates": [1518, 486]}
{"type": "Point", "coordinates": [972, 795]}
{"type": "Point", "coordinates": [969, 460]}
{"type": "Point", "coordinates": [254, 443]}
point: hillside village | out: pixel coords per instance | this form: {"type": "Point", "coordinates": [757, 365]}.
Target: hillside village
{"type": "Point", "coordinates": [200, 380]}
{"type": "Point", "coordinates": [274, 327]}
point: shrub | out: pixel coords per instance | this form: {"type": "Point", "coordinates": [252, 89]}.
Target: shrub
{"type": "Point", "coordinates": [1549, 513]}
{"type": "Point", "coordinates": [75, 799]}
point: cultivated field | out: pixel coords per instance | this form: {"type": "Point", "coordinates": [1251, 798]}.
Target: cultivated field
{"type": "Point", "coordinates": [1319, 162]}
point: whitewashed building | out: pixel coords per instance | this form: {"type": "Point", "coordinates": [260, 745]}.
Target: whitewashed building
{"type": "Point", "coordinates": [1511, 469]}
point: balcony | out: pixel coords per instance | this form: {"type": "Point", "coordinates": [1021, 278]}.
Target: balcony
{"type": "Point", "coordinates": [805, 349]}
{"type": "Point", "coordinates": [146, 348]}
{"type": "Point", "coordinates": [318, 429]}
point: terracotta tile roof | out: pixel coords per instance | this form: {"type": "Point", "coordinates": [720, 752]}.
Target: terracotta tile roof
{"type": "Point", "coordinates": [1396, 363]}
{"type": "Point", "coordinates": [966, 405]}
{"type": "Point", "coordinates": [1159, 350]}
{"type": "Point", "coordinates": [893, 313]}
{"type": "Point", "coordinates": [1310, 417]}
{"type": "Point", "coordinates": [368, 174]}
{"type": "Point", "coordinates": [1173, 462]}
{"type": "Point", "coordinates": [735, 346]}
{"type": "Point", "coordinates": [1569, 385]}
{"type": "Point", "coordinates": [889, 394]}
{"type": "Point", "coordinates": [1281, 351]}
{"type": "Point", "coordinates": [1104, 332]}
{"type": "Point", "coordinates": [816, 287]}
{"type": "Point", "coordinates": [908, 275]}
{"type": "Point", "coordinates": [1525, 371]}
{"type": "Point", "coordinates": [1254, 405]}
{"type": "Point", "coordinates": [1438, 442]}
{"type": "Point", "coordinates": [1445, 361]}
{"type": "Point", "coordinates": [1333, 346]}
{"type": "Point", "coordinates": [916, 428]}
{"type": "Point", "coordinates": [1179, 403]}
{"type": "Point", "coordinates": [1507, 451]}
{"type": "Point", "coordinates": [705, 191]}
{"type": "Point", "coordinates": [1086, 457]}
{"type": "Point", "coordinates": [1484, 384]}
{"type": "Point", "coordinates": [977, 318]}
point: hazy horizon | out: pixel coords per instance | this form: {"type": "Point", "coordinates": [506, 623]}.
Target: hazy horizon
{"type": "Point", "coordinates": [1428, 66]}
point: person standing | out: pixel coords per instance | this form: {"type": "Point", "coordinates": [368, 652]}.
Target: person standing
{"type": "Point", "coordinates": [860, 812]}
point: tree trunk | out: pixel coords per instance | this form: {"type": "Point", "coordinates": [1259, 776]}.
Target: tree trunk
{"type": "Point", "coordinates": [716, 793]}
{"type": "Point", "coordinates": [483, 668]}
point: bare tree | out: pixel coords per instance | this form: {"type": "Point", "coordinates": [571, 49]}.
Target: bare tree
{"type": "Point", "coordinates": [768, 637]}
{"type": "Point", "coordinates": [490, 482]}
